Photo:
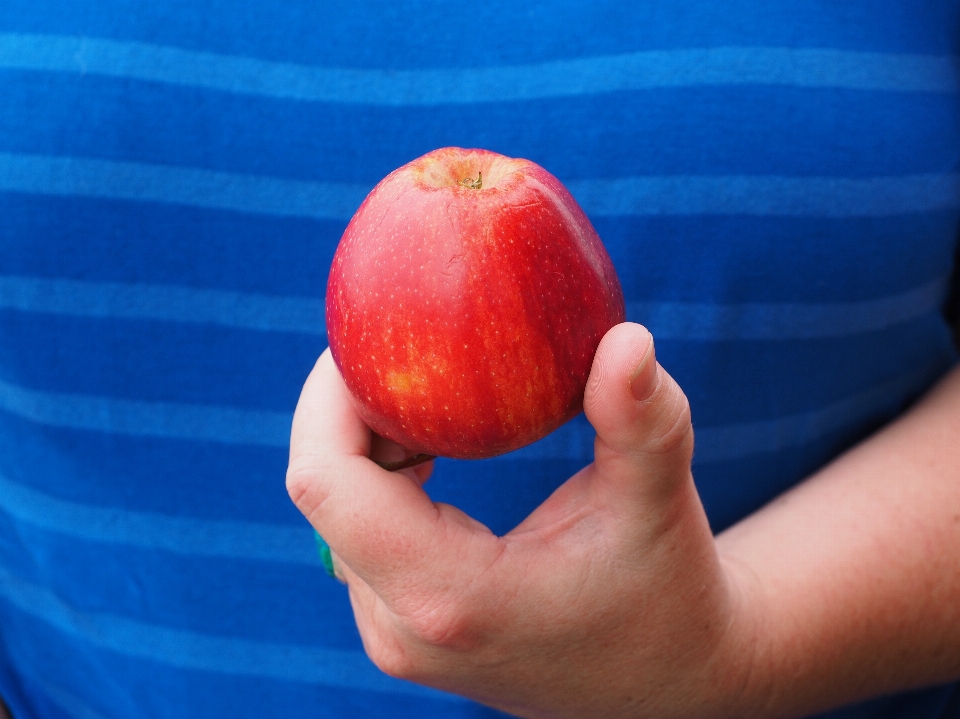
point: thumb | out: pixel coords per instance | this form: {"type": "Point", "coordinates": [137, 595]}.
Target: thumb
{"type": "Point", "coordinates": [641, 416]}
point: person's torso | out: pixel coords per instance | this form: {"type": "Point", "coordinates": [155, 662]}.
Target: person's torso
{"type": "Point", "coordinates": [776, 184]}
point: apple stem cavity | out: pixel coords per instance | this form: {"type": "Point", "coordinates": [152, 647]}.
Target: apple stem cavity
{"type": "Point", "coordinates": [405, 463]}
{"type": "Point", "coordinates": [473, 184]}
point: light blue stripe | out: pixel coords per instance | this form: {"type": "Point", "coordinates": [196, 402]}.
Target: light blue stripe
{"type": "Point", "coordinates": [667, 320]}
{"type": "Point", "coordinates": [203, 652]}
{"type": "Point", "coordinates": [163, 302]}
{"type": "Point", "coordinates": [152, 530]}
{"type": "Point", "coordinates": [574, 441]}
{"type": "Point", "coordinates": [791, 67]}
{"type": "Point", "coordinates": [785, 321]}
{"type": "Point", "coordinates": [170, 420]}
{"type": "Point", "coordinates": [107, 179]}
{"type": "Point", "coordinates": [754, 195]}
{"type": "Point", "coordinates": [768, 196]}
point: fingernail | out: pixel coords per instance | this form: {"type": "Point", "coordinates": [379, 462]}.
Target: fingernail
{"type": "Point", "coordinates": [643, 380]}
{"type": "Point", "coordinates": [326, 556]}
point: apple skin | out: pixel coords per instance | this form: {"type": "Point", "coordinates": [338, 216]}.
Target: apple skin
{"type": "Point", "coordinates": [464, 321]}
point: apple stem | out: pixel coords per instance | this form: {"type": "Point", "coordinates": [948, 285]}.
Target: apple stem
{"type": "Point", "coordinates": [404, 463]}
{"type": "Point", "coordinates": [473, 184]}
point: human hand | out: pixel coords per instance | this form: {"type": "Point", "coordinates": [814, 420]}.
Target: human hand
{"type": "Point", "coordinates": [609, 600]}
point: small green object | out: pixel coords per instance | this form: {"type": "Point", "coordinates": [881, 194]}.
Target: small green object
{"type": "Point", "coordinates": [323, 549]}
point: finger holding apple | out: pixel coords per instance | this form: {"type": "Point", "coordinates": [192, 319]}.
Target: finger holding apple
{"type": "Point", "coordinates": [609, 600]}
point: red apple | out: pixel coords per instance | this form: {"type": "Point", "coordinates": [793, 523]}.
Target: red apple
{"type": "Point", "coordinates": [466, 301]}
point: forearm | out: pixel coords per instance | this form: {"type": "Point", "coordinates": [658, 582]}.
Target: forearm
{"type": "Point", "coordinates": [851, 582]}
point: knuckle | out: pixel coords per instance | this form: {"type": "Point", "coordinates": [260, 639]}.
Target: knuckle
{"type": "Point", "coordinates": [394, 659]}
{"type": "Point", "coordinates": [308, 484]}
{"type": "Point", "coordinates": [413, 644]}
{"type": "Point", "coordinates": [449, 625]}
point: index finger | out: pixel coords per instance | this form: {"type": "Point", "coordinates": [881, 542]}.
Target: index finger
{"type": "Point", "coordinates": [380, 524]}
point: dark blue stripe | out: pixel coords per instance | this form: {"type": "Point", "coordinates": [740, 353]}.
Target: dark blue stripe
{"type": "Point", "coordinates": [703, 131]}
{"type": "Point", "coordinates": [776, 260]}
{"type": "Point", "coordinates": [432, 34]}
{"type": "Point", "coordinates": [159, 475]}
{"type": "Point", "coordinates": [156, 244]}
{"type": "Point", "coordinates": [264, 371]}
{"type": "Point", "coordinates": [796, 67]}
{"type": "Point", "coordinates": [659, 258]}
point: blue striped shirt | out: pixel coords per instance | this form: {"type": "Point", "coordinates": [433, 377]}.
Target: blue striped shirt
{"type": "Point", "coordinates": [778, 185]}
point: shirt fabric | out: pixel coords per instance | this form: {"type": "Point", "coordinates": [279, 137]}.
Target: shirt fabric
{"type": "Point", "coordinates": [776, 183]}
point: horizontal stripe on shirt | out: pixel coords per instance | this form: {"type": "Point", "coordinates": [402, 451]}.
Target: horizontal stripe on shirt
{"type": "Point", "coordinates": [88, 177]}
{"type": "Point", "coordinates": [794, 67]}
{"type": "Point", "coordinates": [572, 441]}
{"type": "Point", "coordinates": [166, 303]}
{"type": "Point", "coordinates": [171, 420]}
{"type": "Point", "coordinates": [754, 195]}
{"type": "Point", "coordinates": [253, 541]}
{"type": "Point", "coordinates": [767, 196]}
{"type": "Point", "coordinates": [666, 320]}
{"type": "Point", "coordinates": [744, 439]}
{"type": "Point", "coordinates": [784, 320]}
{"type": "Point", "coordinates": [203, 652]}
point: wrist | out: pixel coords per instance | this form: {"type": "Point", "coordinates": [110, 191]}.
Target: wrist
{"type": "Point", "coordinates": [738, 673]}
